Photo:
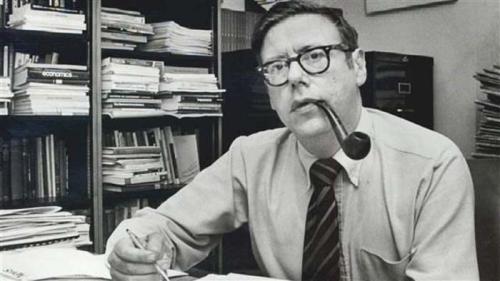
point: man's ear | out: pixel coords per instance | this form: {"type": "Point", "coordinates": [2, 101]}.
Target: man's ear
{"type": "Point", "coordinates": [359, 64]}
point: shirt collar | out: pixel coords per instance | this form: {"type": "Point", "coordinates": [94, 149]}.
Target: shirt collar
{"type": "Point", "coordinates": [352, 167]}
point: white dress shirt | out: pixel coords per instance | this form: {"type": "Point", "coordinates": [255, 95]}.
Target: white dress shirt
{"type": "Point", "coordinates": [406, 210]}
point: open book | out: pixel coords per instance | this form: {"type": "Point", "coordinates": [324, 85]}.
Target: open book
{"type": "Point", "coordinates": [56, 263]}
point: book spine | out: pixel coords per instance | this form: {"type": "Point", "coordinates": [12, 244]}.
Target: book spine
{"type": "Point", "coordinates": [39, 7]}
{"type": "Point", "coordinates": [2, 14]}
{"type": "Point", "coordinates": [63, 74]}
{"type": "Point", "coordinates": [131, 61]}
{"type": "Point", "coordinates": [45, 168]}
{"type": "Point", "coordinates": [173, 152]}
{"type": "Point", "coordinates": [161, 142]}
{"type": "Point", "coordinates": [6, 181]}
{"type": "Point", "coordinates": [2, 171]}
{"type": "Point", "coordinates": [39, 168]}
{"type": "Point", "coordinates": [25, 170]}
{"type": "Point", "coordinates": [57, 81]}
{"type": "Point", "coordinates": [57, 168]}
{"type": "Point", "coordinates": [16, 164]}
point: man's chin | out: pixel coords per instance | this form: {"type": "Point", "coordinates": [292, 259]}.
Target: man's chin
{"type": "Point", "coordinates": [311, 129]}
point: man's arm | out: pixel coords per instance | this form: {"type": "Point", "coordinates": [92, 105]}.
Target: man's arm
{"type": "Point", "coordinates": [192, 221]}
{"type": "Point", "coordinates": [444, 242]}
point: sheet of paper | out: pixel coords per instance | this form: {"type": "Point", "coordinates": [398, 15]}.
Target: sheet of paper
{"type": "Point", "coordinates": [33, 210]}
{"type": "Point", "coordinates": [237, 277]}
{"type": "Point", "coordinates": [40, 263]}
{"type": "Point", "coordinates": [45, 263]}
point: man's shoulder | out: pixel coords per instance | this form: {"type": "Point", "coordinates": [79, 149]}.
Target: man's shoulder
{"type": "Point", "coordinates": [408, 137]}
{"type": "Point", "coordinates": [271, 138]}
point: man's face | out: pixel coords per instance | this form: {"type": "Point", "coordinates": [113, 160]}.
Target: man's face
{"type": "Point", "coordinates": [338, 85]}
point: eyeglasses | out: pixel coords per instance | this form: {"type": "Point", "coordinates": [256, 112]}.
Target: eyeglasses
{"type": "Point", "coordinates": [313, 61]}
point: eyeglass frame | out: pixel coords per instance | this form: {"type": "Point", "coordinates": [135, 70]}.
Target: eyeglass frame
{"type": "Point", "coordinates": [327, 48]}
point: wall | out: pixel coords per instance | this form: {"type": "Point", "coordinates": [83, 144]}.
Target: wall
{"type": "Point", "coordinates": [463, 37]}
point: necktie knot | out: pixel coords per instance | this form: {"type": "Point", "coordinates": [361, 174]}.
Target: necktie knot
{"type": "Point", "coordinates": [324, 171]}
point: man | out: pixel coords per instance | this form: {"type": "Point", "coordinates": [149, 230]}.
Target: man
{"type": "Point", "coordinates": [403, 212]}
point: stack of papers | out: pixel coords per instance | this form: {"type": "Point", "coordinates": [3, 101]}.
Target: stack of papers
{"type": "Point", "coordinates": [172, 38]}
{"type": "Point", "coordinates": [41, 226]}
{"type": "Point", "coordinates": [31, 16]}
{"type": "Point", "coordinates": [123, 29]}
{"type": "Point", "coordinates": [488, 127]}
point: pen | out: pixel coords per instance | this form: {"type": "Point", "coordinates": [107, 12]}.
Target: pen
{"type": "Point", "coordinates": [138, 244]}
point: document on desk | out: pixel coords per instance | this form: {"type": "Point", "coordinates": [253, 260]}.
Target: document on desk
{"type": "Point", "coordinates": [42, 263]}
{"type": "Point", "coordinates": [237, 277]}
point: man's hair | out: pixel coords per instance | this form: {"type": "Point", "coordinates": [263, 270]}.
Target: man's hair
{"type": "Point", "coordinates": [283, 10]}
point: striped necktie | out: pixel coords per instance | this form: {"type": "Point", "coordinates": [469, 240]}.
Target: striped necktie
{"type": "Point", "coordinates": [321, 241]}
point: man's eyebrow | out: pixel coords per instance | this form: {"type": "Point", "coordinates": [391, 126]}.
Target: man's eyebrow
{"type": "Point", "coordinates": [307, 47]}
{"type": "Point", "coordinates": [275, 58]}
{"type": "Point", "coordinates": [297, 51]}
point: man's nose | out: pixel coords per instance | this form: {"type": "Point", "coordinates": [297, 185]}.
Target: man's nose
{"type": "Point", "coordinates": [295, 72]}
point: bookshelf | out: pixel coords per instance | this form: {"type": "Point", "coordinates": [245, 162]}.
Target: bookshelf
{"type": "Point", "coordinates": [84, 135]}
{"type": "Point", "coordinates": [45, 157]}
{"type": "Point", "coordinates": [199, 14]}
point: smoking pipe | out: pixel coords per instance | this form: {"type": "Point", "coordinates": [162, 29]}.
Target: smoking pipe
{"type": "Point", "coordinates": [355, 145]}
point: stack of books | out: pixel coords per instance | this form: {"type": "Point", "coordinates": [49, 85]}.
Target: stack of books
{"type": "Point", "coordinates": [178, 155]}
{"type": "Point", "coordinates": [190, 91]}
{"type": "Point", "coordinates": [132, 168]}
{"type": "Point", "coordinates": [5, 95]}
{"type": "Point", "coordinates": [47, 16]}
{"type": "Point", "coordinates": [34, 168]}
{"type": "Point", "coordinates": [130, 86]}
{"type": "Point", "coordinates": [170, 37]}
{"type": "Point", "coordinates": [236, 29]}
{"type": "Point", "coordinates": [50, 89]}
{"type": "Point", "coordinates": [123, 29]}
{"type": "Point", "coordinates": [488, 133]}
{"type": "Point", "coordinates": [41, 226]}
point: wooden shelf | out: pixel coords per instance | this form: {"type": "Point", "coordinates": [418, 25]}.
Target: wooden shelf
{"type": "Point", "coordinates": [167, 57]}
{"type": "Point", "coordinates": [167, 190]}
{"type": "Point", "coordinates": [18, 35]}
{"type": "Point", "coordinates": [44, 118]}
{"type": "Point", "coordinates": [65, 203]}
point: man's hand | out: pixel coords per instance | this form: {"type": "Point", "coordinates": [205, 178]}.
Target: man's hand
{"type": "Point", "coordinates": [130, 263]}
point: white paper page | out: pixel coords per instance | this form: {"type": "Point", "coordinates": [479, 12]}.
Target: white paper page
{"type": "Point", "coordinates": [34, 210]}
{"type": "Point", "coordinates": [44, 263]}
{"type": "Point", "coordinates": [237, 277]}
{"type": "Point", "coordinates": [40, 263]}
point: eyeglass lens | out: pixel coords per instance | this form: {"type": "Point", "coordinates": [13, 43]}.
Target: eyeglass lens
{"type": "Point", "coordinates": [313, 62]}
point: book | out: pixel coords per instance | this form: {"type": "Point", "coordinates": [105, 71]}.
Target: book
{"type": "Point", "coordinates": [172, 151]}
{"type": "Point", "coordinates": [134, 187]}
{"type": "Point", "coordinates": [25, 74]}
{"type": "Point", "coordinates": [52, 66]}
{"type": "Point", "coordinates": [120, 11]}
{"type": "Point", "coordinates": [131, 150]}
{"type": "Point", "coordinates": [135, 179]}
{"type": "Point", "coordinates": [188, 164]}
{"type": "Point", "coordinates": [132, 61]}
{"type": "Point", "coordinates": [39, 7]}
